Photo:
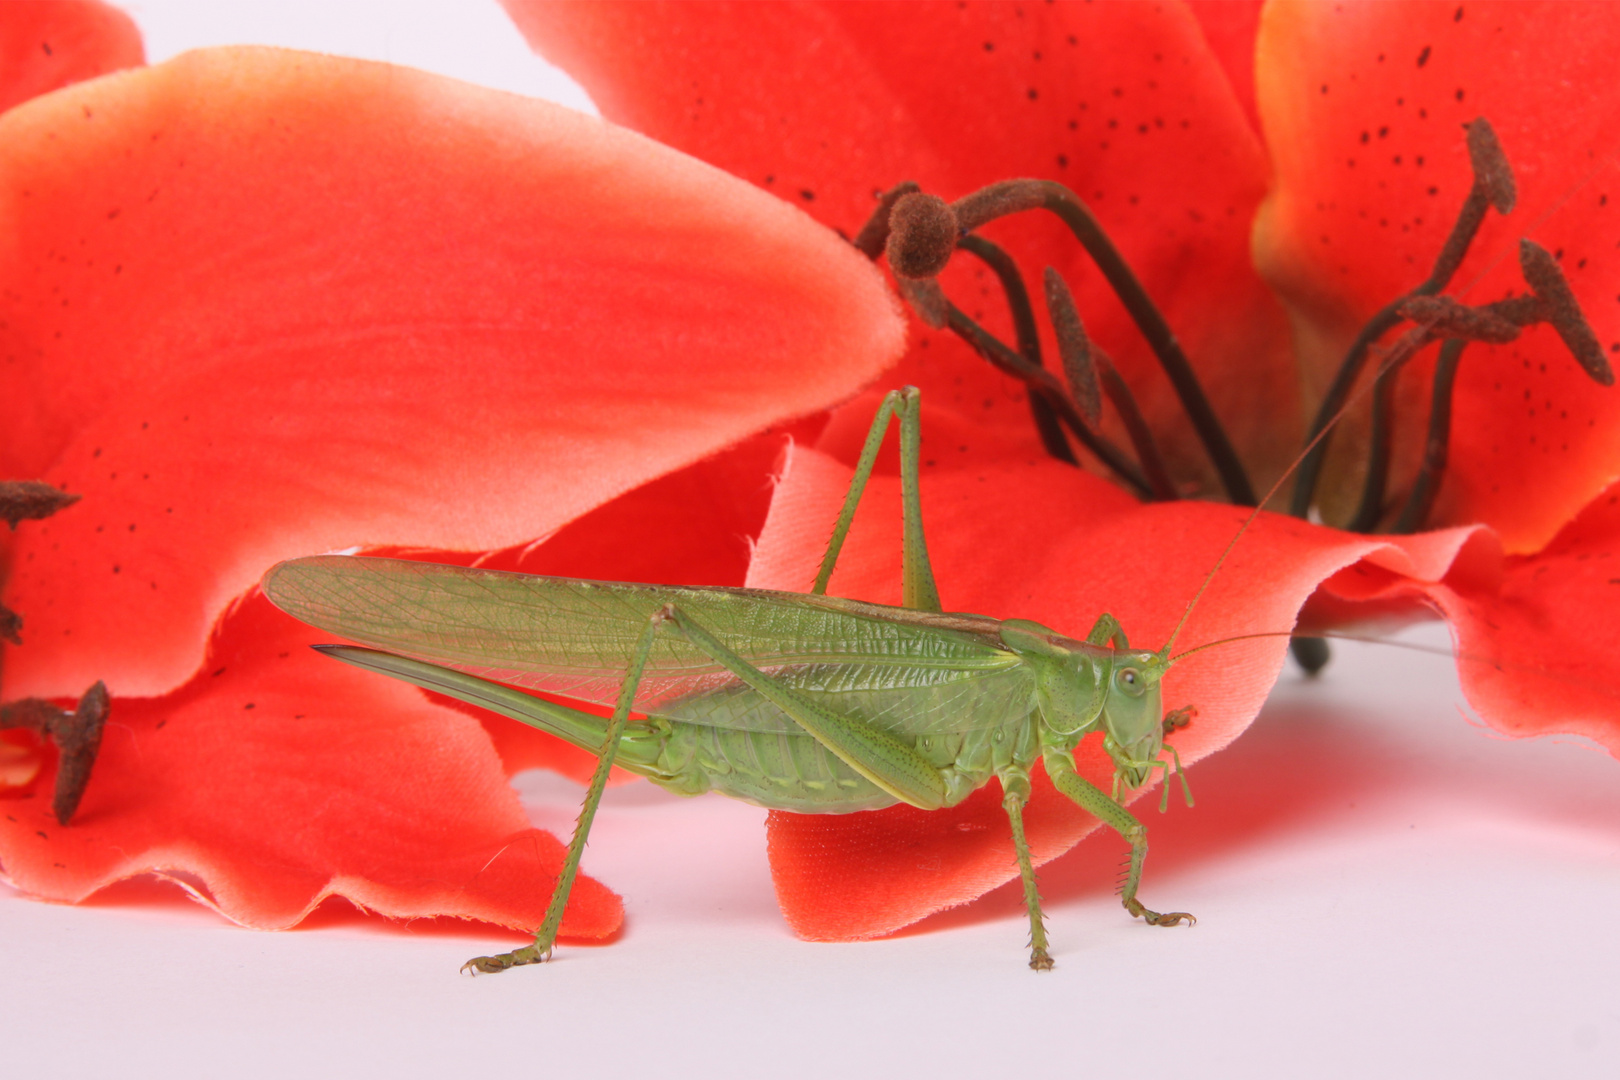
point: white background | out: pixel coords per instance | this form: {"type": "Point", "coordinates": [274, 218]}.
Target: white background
{"type": "Point", "coordinates": [1383, 888]}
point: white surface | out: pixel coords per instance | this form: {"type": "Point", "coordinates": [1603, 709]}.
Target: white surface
{"type": "Point", "coordinates": [1383, 890]}
{"type": "Point", "coordinates": [472, 40]}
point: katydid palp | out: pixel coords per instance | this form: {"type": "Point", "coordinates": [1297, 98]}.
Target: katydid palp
{"type": "Point", "coordinates": [797, 702]}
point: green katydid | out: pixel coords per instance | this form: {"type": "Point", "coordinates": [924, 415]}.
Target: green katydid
{"type": "Point", "coordinates": [813, 704]}
{"type": "Point", "coordinates": [799, 702]}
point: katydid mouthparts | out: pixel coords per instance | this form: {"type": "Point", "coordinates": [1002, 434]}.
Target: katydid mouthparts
{"type": "Point", "coordinates": [793, 701]}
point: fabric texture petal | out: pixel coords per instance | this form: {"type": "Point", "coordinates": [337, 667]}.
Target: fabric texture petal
{"type": "Point", "coordinates": [48, 44]}
{"type": "Point", "coordinates": [276, 778]}
{"type": "Point", "coordinates": [262, 303]}
{"type": "Point", "coordinates": [1127, 104]}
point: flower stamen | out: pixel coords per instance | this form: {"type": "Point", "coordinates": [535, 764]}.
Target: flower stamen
{"type": "Point", "coordinates": [1022, 311]}
{"type": "Point", "coordinates": [1016, 196]}
{"type": "Point", "coordinates": [1498, 323]}
{"type": "Point", "coordinates": [77, 736]}
{"type": "Point", "coordinates": [1493, 187]}
{"type": "Point", "coordinates": [1086, 365]}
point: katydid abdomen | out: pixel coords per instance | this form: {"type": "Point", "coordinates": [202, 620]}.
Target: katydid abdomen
{"type": "Point", "coordinates": [968, 711]}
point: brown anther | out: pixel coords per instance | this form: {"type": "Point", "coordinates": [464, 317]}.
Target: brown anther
{"type": "Point", "coordinates": [1562, 310]}
{"type": "Point", "coordinates": [1074, 348]}
{"type": "Point", "coordinates": [10, 625]}
{"type": "Point", "coordinates": [31, 500]}
{"type": "Point", "coordinates": [927, 299]}
{"type": "Point", "coordinates": [1446, 318]}
{"type": "Point", "coordinates": [76, 734]}
{"type": "Point", "coordinates": [922, 235]}
{"type": "Point", "coordinates": [79, 736]}
{"type": "Point", "coordinates": [875, 233]}
{"type": "Point", "coordinates": [1493, 176]}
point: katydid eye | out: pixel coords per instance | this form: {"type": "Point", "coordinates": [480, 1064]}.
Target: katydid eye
{"type": "Point", "coordinates": [1129, 679]}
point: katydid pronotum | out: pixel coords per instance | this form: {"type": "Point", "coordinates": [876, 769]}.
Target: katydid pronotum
{"type": "Point", "coordinates": [798, 702]}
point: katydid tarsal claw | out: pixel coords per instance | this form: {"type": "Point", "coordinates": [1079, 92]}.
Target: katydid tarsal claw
{"type": "Point", "coordinates": [799, 702]}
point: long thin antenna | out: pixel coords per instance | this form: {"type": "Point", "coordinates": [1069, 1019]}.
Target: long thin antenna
{"type": "Point", "coordinates": [1404, 347]}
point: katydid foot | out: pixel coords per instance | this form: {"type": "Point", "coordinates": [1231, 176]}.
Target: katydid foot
{"type": "Point", "coordinates": [1153, 918]}
{"type": "Point", "coordinates": [1040, 960]}
{"type": "Point", "coordinates": [488, 965]}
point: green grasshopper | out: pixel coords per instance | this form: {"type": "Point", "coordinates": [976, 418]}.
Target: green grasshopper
{"type": "Point", "coordinates": [799, 702]}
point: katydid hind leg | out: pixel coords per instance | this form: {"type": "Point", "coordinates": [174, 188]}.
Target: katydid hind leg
{"type": "Point", "coordinates": [880, 757]}
{"type": "Point", "coordinates": [1095, 800]}
{"type": "Point", "coordinates": [1016, 798]}
{"type": "Point", "coordinates": [1107, 629]}
{"type": "Point", "coordinates": [546, 937]}
{"type": "Point", "coordinates": [919, 591]}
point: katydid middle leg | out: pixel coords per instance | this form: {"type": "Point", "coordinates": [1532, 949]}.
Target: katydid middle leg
{"type": "Point", "coordinates": [1016, 788]}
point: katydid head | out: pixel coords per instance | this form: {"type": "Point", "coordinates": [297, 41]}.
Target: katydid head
{"type": "Point", "coordinates": [1081, 687]}
{"type": "Point", "coordinates": [1133, 716]}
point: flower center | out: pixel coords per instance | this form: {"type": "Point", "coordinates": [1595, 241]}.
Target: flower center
{"type": "Point", "coordinates": [920, 233]}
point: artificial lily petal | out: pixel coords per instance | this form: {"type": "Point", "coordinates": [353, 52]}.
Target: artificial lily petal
{"type": "Point", "coordinates": [837, 101]}
{"type": "Point", "coordinates": [1536, 636]}
{"type": "Point", "coordinates": [1034, 539]}
{"type": "Point", "coordinates": [1230, 27]}
{"type": "Point", "coordinates": [263, 303]}
{"type": "Point", "coordinates": [276, 778]}
{"type": "Point", "coordinates": [1364, 107]}
{"type": "Point", "coordinates": [48, 44]}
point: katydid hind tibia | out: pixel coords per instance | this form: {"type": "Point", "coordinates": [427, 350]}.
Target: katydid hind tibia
{"type": "Point", "coordinates": [797, 702]}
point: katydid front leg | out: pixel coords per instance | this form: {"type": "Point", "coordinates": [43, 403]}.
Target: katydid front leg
{"type": "Point", "coordinates": [1095, 800]}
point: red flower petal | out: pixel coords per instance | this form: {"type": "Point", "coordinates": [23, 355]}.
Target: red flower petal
{"type": "Point", "coordinates": [1126, 103]}
{"type": "Point", "coordinates": [1363, 107]}
{"type": "Point", "coordinates": [1038, 540]}
{"type": "Point", "coordinates": [1230, 26]}
{"type": "Point", "coordinates": [265, 303]}
{"type": "Point", "coordinates": [48, 44]}
{"type": "Point", "coordinates": [1536, 635]}
{"type": "Point", "coordinates": [277, 778]}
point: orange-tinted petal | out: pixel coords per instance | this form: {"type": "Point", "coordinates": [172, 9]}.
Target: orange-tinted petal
{"type": "Point", "coordinates": [276, 778]}
{"type": "Point", "coordinates": [1037, 540]}
{"type": "Point", "coordinates": [48, 44]}
{"type": "Point", "coordinates": [1364, 107]}
{"type": "Point", "coordinates": [264, 303]}
{"type": "Point", "coordinates": [824, 104]}
{"type": "Point", "coordinates": [1536, 642]}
